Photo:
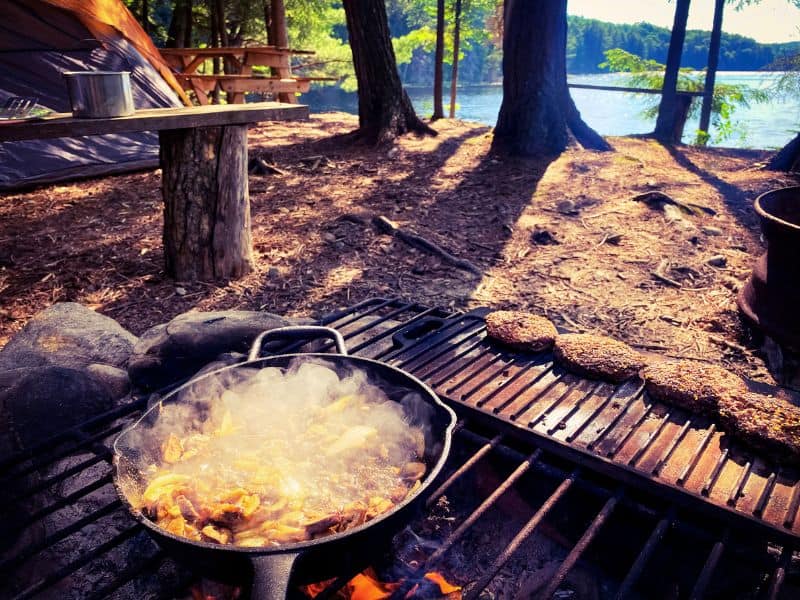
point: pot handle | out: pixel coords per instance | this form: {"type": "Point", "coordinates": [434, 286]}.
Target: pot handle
{"type": "Point", "coordinates": [271, 576]}
{"type": "Point", "coordinates": [298, 332]}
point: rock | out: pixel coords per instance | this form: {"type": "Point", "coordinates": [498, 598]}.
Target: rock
{"type": "Point", "coordinates": [675, 217]}
{"type": "Point", "coordinates": [115, 379]}
{"type": "Point", "coordinates": [711, 230]}
{"type": "Point", "coordinates": [173, 351]}
{"type": "Point", "coordinates": [566, 207]}
{"type": "Point", "coordinates": [274, 273]}
{"type": "Point", "coordinates": [543, 237]}
{"type": "Point", "coordinates": [328, 237]}
{"type": "Point", "coordinates": [69, 335]}
{"type": "Point", "coordinates": [72, 336]}
{"type": "Point", "coordinates": [717, 261]}
{"type": "Point", "coordinates": [40, 402]}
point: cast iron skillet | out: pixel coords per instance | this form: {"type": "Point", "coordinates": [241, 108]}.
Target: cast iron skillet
{"type": "Point", "coordinates": [316, 559]}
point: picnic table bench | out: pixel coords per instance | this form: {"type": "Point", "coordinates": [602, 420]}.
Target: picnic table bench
{"type": "Point", "coordinates": [186, 61]}
{"type": "Point", "coordinates": [203, 156]}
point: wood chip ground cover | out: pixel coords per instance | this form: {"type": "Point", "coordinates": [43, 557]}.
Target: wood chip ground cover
{"type": "Point", "coordinates": [561, 238]}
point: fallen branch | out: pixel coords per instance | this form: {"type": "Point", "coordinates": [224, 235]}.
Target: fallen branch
{"type": "Point", "coordinates": [657, 198]}
{"type": "Point", "coordinates": [659, 274]}
{"type": "Point", "coordinates": [412, 239]}
{"type": "Point", "coordinates": [258, 166]}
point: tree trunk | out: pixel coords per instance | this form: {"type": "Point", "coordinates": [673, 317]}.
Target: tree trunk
{"type": "Point", "coordinates": [668, 108]}
{"type": "Point", "coordinates": [145, 13]}
{"type": "Point", "coordinates": [456, 50]}
{"type": "Point", "coordinates": [188, 20]}
{"type": "Point", "coordinates": [438, 60]}
{"type": "Point", "coordinates": [206, 205]}
{"type": "Point", "coordinates": [219, 12]}
{"type": "Point", "coordinates": [280, 38]}
{"type": "Point", "coordinates": [180, 25]}
{"type": "Point", "coordinates": [384, 109]}
{"type": "Point", "coordinates": [788, 158]}
{"type": "Point", "coordinates": [268, 22]}
{"type": "Point", "coordinates": [214, 44]}
{"type": "Point", "coordinates": [537, 112]}
{"type": "Point", "coordinates": [713, 61]}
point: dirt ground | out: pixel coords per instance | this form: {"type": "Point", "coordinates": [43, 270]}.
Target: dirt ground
{"type": "Point", "coordinates": [563, 238]}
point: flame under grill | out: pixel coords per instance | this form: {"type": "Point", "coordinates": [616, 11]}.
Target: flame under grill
{"type": "Point", "coordinates": [645, 497]}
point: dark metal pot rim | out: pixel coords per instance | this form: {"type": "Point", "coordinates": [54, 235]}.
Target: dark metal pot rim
{"type": "Point", "coordinates": [769, 216]}
{"type": "Point", "coordinates": [297, 547]}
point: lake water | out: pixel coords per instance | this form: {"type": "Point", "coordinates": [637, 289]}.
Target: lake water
{"type": "Point", "coordinates": [768, 125]}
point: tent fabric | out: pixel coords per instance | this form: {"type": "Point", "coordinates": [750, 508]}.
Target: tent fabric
{"type": "Point", "coordinates": [39, 40]}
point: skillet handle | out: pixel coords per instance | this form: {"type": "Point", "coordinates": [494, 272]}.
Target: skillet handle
{"type": "Point", "coordinates": [298, 332]}
{"type": "Point", "coordinates": [271, 576]}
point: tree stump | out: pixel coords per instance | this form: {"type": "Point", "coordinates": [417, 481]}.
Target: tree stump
{"type": "Point", "coordinates": [206, 203]}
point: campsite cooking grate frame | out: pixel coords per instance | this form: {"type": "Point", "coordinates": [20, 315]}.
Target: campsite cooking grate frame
{"type": "Point", "coordinates": [390, 330]}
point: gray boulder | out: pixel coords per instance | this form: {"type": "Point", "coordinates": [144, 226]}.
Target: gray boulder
{"type": "Point", "coordinates": [68, 335]}
{"type": "Point", "coordinates": [37, 403]}
{"type": "Point", "coordinates": [178, 349]}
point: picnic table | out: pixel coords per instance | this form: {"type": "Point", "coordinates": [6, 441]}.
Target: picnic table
{"type": "Point", "coordinates": [186, 61]}
{"type": "Point", "coordinates": [203, 156]}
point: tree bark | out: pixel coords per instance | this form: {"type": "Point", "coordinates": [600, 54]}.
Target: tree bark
{"type": "Point", "coordinates": [788, 158]}
{"type": "Point", "coordinates": [268, 22]}
{"type": "Point", "coordinates": [713, 61]}
{"type": "Point", "coordinates": [214, 44]}
{"type": "Point", "coordinates": [668, 108]}
{"type": "Point", "coordinates": [206, 204]}
{"type": "Point", "coordinates": [438, 60]}
{"type": "Point", "coordinates": [188, 20]}
{"type": "Point", "coordinates": [456, 50]}
{"type": "Point", "coordinates": [537, 112]}
{"type": "Point", "coordinates": [280, 38]}
{"type": "Point", "coordinates": [145, 14]}
{"type": "Point", "coordinates": [179, 34]}
{"type": "Point", "coordinates": [384, 109]}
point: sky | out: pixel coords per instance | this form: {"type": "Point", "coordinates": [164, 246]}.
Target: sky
{"type": "Point", "coordinates": [767, 21]}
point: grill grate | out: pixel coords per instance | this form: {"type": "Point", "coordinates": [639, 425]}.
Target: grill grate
{"type": "Point", "coordinates": [619, 429]}
{"type": "Point", "coordinates": [576, 487]}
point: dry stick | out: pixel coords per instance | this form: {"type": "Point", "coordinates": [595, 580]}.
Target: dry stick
{"type": "Point", "coordinates": [657, 273]}
{"type": "Point", "coordinates": [386, 226]}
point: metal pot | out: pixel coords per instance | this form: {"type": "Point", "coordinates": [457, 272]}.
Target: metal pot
{"type": "Point", "coordinates": [272, 567]}
{"type": "Point", "coordinates": [100, 94]}
{"type": "Point", "coordinates": [771, 296]}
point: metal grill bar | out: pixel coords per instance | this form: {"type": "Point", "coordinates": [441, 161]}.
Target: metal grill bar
{"type": "Point", "coordinates": [71, 567]}
{"type": "Point", "coordinates": [780, 573]}
{"type": "Point", "coordinates": [644, 556]}
{"type": "Point", "coordinates": [67, 500]}
{"type": "Point", "coordinates": [55, 537]}
{"type": "Point", "coordinates": [524, 533]}
{"type": "Point", "coordinates": [471, 462]}
{"type": "Point", "coordinates": [51, 481]}
{"type": "Point", "coordinates": [710, 565]}
{"type": "Point", "coordinates": [712, 429]}
{"type": "Point", "coordinates": [75, 434]}
{"type": "Point", "coordinates": [33, 465]}
{"type": "Point", "coordinates": [582, 544]}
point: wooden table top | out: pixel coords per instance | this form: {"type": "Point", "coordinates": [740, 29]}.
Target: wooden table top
{"type": "Point", "coordinates": [153, 119]}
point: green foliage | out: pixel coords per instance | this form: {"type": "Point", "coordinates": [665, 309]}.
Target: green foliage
{"type": "Point", "coordinates": [588, 39]}
{"type": "Point", "coordinates": [648, 73]}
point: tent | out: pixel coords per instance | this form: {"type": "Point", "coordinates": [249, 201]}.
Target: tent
{"type": "Point", "coordinates": [39, 40]}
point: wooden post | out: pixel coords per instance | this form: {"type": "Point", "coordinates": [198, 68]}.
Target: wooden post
{"type": "Point", "coordinates": [206, 203]}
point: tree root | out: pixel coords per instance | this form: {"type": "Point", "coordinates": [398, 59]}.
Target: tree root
{"type": "Point", "coordinates": [412, 239]}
